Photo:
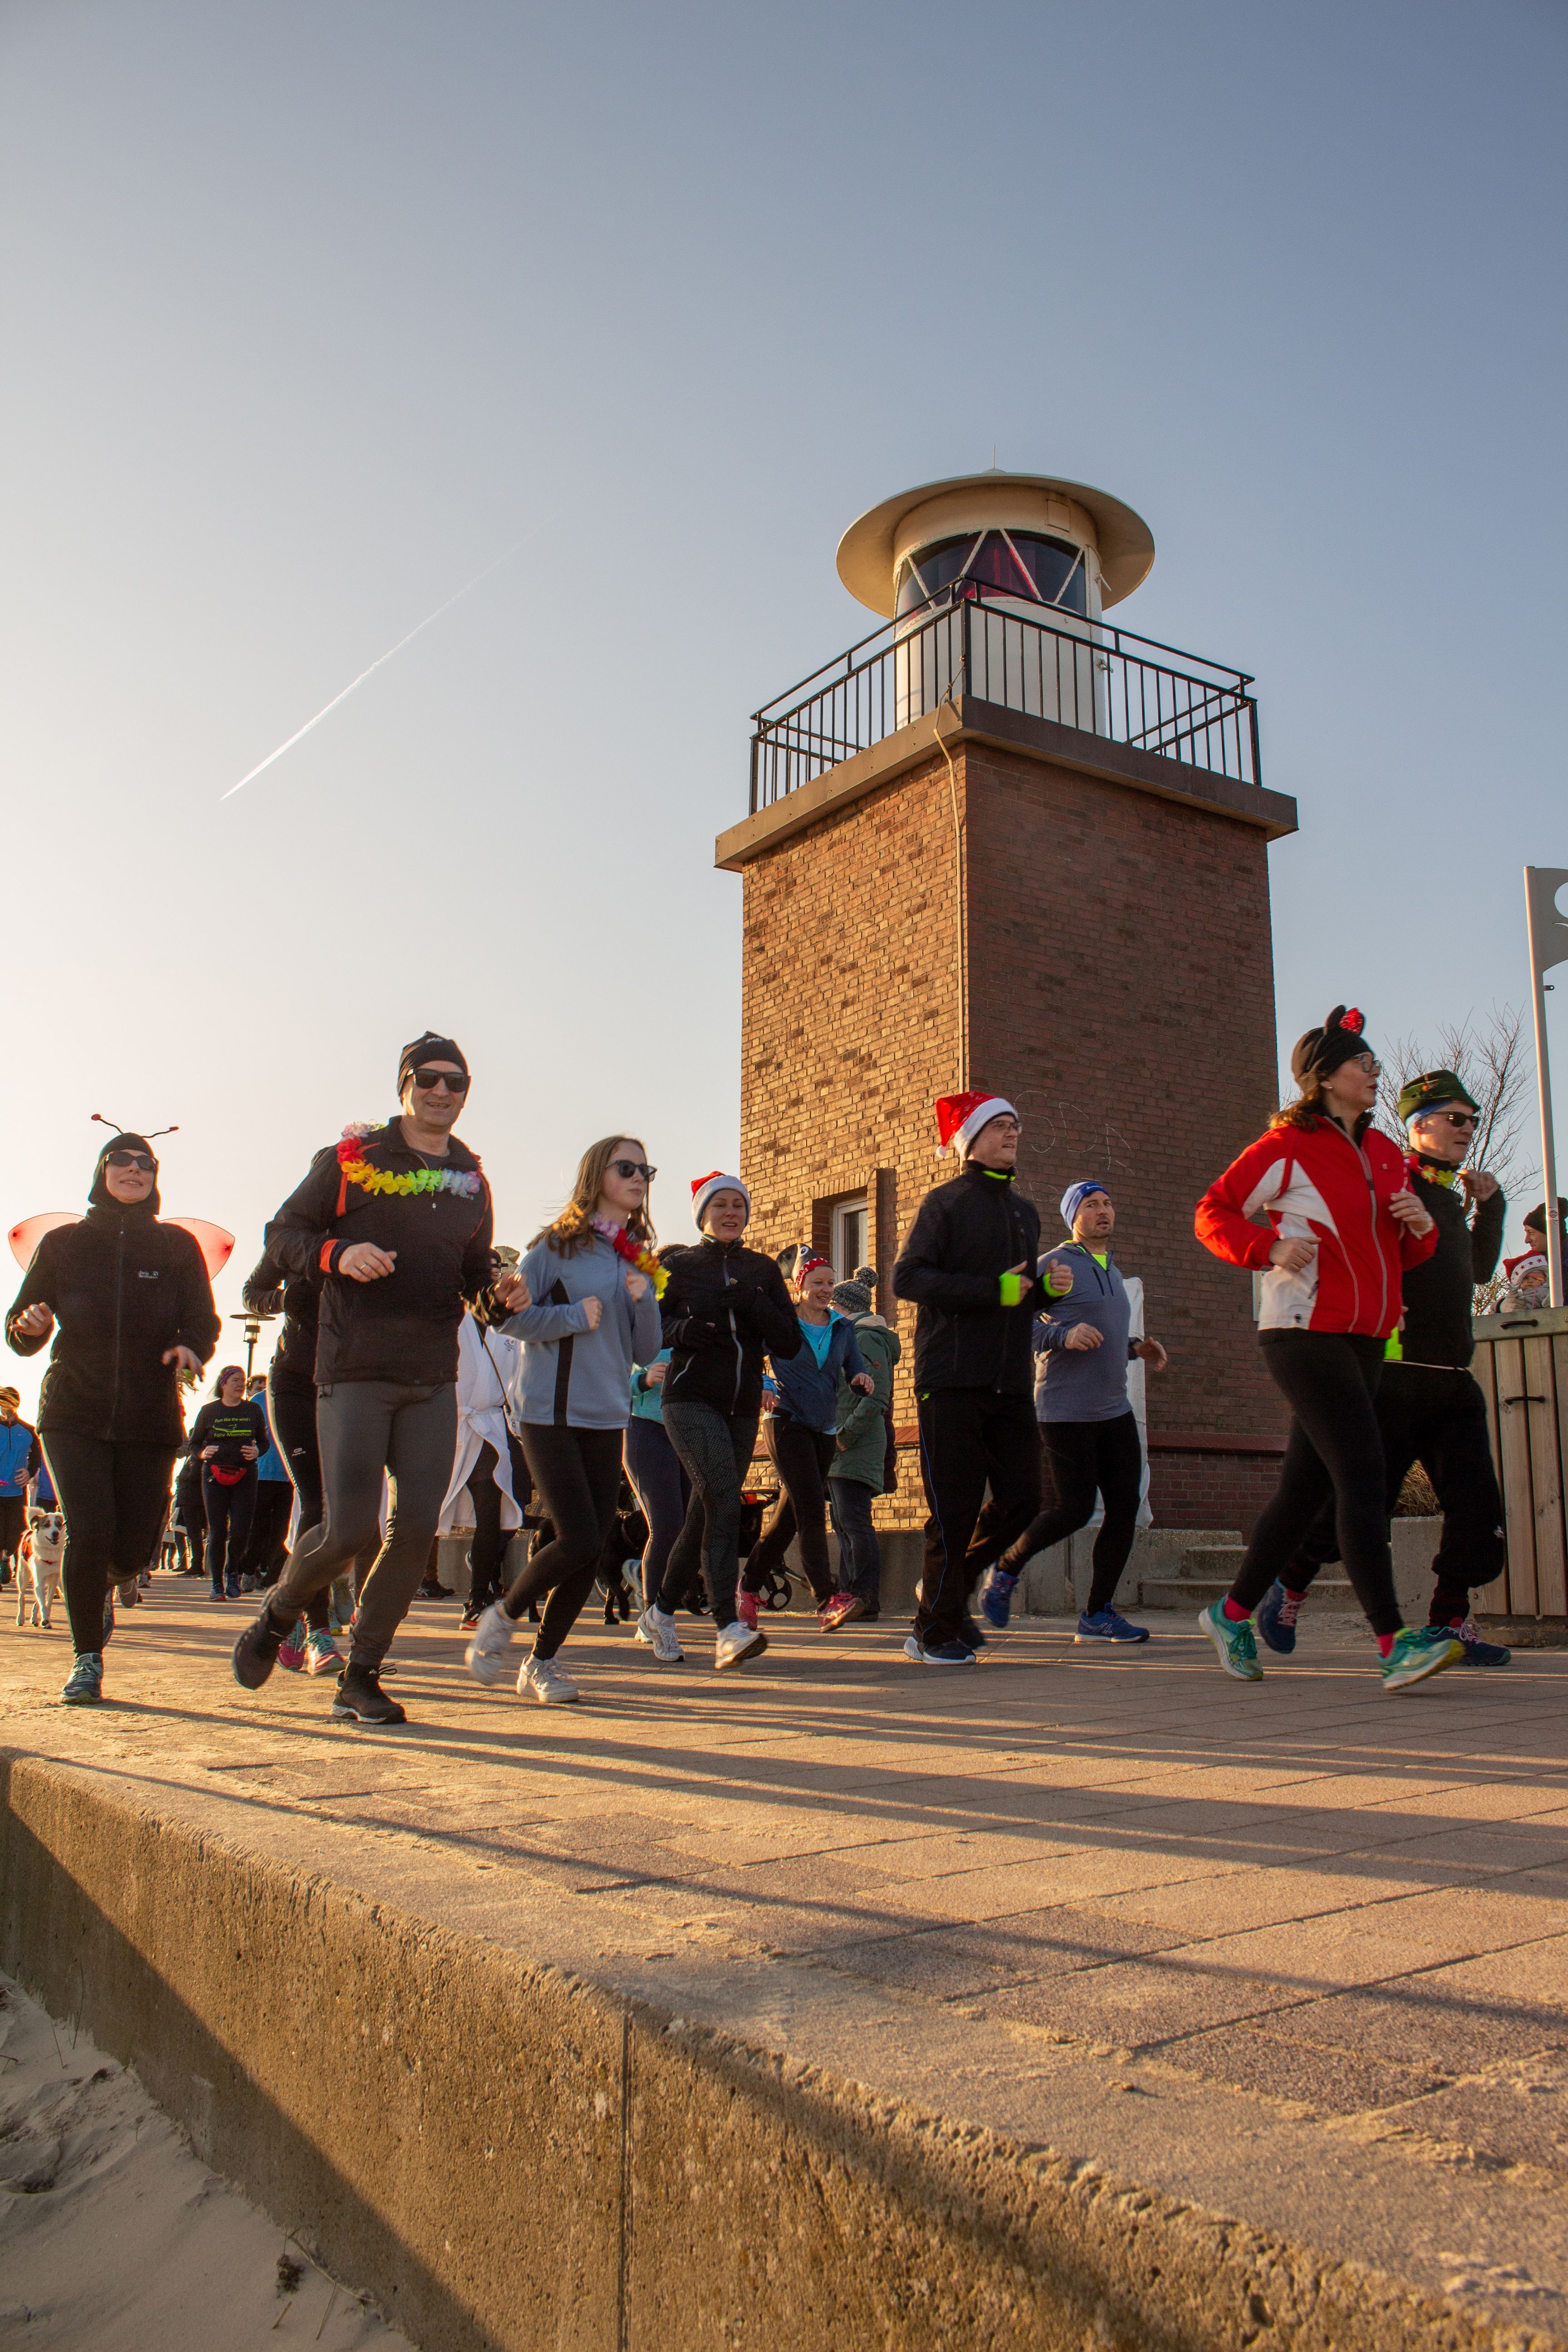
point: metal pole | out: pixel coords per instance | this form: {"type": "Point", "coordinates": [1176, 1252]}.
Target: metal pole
{"type": "Point", "coordinates": [1548, 932]}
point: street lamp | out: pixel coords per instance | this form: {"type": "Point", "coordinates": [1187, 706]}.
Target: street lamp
{"type": "Point", "coordinates": [253, 1321]}
{"type": "Point", "coordinates": [1548, 947]}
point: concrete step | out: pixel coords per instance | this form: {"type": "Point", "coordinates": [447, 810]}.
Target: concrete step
{"type": "Point", "coordinates": [1195, 1592]}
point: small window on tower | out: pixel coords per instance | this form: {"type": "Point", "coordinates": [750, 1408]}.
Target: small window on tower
{"type": "Point", "coordinates": [851, 1234]}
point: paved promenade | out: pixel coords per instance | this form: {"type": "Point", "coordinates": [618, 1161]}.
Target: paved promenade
{"type": "Point", "coordinates": [1296, 1952]}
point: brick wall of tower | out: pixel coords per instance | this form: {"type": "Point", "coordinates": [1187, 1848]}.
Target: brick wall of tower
{"type": "Point", "coordinates": [1119, 988]}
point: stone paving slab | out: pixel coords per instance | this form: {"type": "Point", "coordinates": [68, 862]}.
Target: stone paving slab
{"type": "Point", "coordinates": [1322, 1933]}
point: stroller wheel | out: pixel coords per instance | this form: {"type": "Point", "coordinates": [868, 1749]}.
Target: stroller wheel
{"type": "Point", "coordinates": [777, 1593]}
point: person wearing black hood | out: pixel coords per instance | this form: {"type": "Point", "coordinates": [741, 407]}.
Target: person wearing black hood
{"type": "Point", "coordinates": [396, 1220]}
{"type": "Point", "coordinates": [135, 1313]}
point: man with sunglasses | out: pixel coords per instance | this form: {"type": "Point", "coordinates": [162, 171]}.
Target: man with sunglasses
{"type": "Point", "coordinates": [395, 1222]}
{"type": "Point", "coordinates": [1430, 1408]}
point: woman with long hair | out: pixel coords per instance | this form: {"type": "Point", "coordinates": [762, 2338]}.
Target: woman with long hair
{"type": "Point", "coordinates": [135, 1313]}
{"type": "Point", "coordinates": [229, 1439]}
{"type": "Point", "coordinates": [1342, 1226]}
{"type": "Point", "coordinates": [595, 1315]}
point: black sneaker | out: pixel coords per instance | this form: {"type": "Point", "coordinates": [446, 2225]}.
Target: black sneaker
{"type": "Point", "coordinates": [361, 1699]}
{"type": "Point", "coordinates": [256, 1652]}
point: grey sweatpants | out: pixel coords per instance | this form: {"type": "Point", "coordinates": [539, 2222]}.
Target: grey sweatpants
{"type": "Point", "coordinates": [365, 1427]}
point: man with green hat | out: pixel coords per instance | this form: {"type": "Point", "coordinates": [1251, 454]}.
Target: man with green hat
{"type": "Point", "coordinates": [1430, 1407]}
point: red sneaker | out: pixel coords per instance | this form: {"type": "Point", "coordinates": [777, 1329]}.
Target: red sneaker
{"type": "Point", "coordinates": [746, 1610]}
{"type": "Point", "coordinates": [838, 1609]}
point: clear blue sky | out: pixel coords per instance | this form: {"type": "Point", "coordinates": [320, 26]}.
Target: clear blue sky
{"type": "Point", "coordinates": [312, 310]}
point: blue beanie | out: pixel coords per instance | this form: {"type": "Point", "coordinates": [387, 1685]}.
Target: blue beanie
{"type": "Point", "coordinates": [1074, 1198]}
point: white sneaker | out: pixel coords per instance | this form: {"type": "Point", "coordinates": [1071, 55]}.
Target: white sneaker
{"type": "Point", "coordinates": [737, 1641]}
{"type": "Point", "coordinates": [485, 1656]}
{"type": "Point", "coordinates": [542, 1679]}
{"type": "Point", "coordinates": [657, 1633]}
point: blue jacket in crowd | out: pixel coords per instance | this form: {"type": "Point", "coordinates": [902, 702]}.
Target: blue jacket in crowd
{"type": "Point", "coordinates": [807, 1384]}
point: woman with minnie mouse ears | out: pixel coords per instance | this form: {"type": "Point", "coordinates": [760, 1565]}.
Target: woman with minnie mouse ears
{"type": "Point", "coordinates": [804, 1429]}
{"type": "Point", "coordinates": [1342, 1226]}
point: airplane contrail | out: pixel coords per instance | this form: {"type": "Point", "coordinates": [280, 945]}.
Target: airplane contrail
{"type": "Point", "coordinates": [326, 707]}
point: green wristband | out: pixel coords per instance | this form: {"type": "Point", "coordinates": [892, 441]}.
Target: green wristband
{"type": "Point", "coordinates": [1012, 1288]}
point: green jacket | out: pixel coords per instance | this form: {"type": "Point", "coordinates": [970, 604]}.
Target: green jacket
{"type": "Point", "coordinates": [861, 1428]}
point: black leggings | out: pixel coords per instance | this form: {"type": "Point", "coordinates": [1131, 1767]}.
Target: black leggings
{"type": "Point", "coordinates": [802, 1458]}
{"type": "Point", "coordinates": [1081, 1459]}
{"type": "Point", "coordinates": [578, 1478]}
{"type": "Point", "coordinates": [115, 1496]}
{"type": "Point", "coordinates": [268, 1545]}
{"type": "Point", "coordinates": [1329, 1381]}
{"type": "Point", "coordinates": [228, 1510]}
{"type": "Point", "coordinates": [488, 1549]}
{"type": "Point", "coordinates": [292, 1408]}
{"type": "Point", "coordinates": [715, 1452]}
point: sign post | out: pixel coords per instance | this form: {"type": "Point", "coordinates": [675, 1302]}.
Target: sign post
{"type": "Point", "coordinates": [1548, 947]}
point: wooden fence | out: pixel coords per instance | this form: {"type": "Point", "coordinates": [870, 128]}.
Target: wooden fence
{"type": "Point", "coordinates": [1522, 1363]}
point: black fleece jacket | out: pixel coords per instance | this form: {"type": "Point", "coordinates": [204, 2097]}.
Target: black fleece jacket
{"type": "Point", "coordinates": [403, 1327]}
{"type": "Point", "coordinates": [268, 1290]}
{"type": "Point", "coordinates": [124, 1288]}
{"type": "Point", "coordinates": [1439, 1293]}
{"type": "Point", "coordinates": [725, 1307]}
{"type": "Point", "coordinates": [966, 1235]}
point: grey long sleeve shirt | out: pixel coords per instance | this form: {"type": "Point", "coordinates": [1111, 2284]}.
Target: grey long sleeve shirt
{"type": "Point", "coordinates": [1083, 1383]}
{"type": "Point", "coordinates": [573, 1377]}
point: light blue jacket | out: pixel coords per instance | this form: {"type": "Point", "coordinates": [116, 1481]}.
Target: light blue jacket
{"type": "Point", "coordinates": [574, 1378]}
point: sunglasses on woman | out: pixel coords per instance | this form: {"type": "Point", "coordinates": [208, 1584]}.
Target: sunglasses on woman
{"type": "Point", "coordinates": [635, 1168]}
{"type": "Point", "coordinates": [142, 1159]}
{"type": "Point", "coordinates": [453, 1080]}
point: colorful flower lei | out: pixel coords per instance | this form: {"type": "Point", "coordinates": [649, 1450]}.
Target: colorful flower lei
{"type": "Point", "coordinates": [464, 1181]}
{"type": "Point", "coordinates": [635, 1254]}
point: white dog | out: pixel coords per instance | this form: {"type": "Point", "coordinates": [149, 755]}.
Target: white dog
{"type": "Point", "coordinates": [38, 1559]}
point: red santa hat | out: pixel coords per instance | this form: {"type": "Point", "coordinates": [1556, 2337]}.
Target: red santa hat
{"type": "Point", "coordinates": [960, 1118]}
{"type": "Point", "coordinates": [704, 1187]}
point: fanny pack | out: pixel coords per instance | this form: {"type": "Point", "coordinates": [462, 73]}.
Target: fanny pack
{"type": "Point", "coordinates": [230, 1478]}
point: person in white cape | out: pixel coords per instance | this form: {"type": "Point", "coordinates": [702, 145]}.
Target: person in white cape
{"type": "Point", "coordinates": [482, 1493]}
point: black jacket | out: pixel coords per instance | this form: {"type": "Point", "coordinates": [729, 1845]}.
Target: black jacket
{"type": "Point", "coordinates": [725, 1307]}
{"type": "Point", "coordinates": [403, 1327]}
{"type": "Point", "coordinates": [297, 1298]}
{"type": "Point", "coordinates": [1439, 1293]}
{"type": "Point", "coordinates": [124, 1289]}
{"type": "Point", "coordinates": [969, 1232]}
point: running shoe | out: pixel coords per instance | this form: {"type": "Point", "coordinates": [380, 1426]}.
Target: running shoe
{"type": "Point", "coordinates": [1232, 1637]}
{"type": "Point", "coordinates": [470, 1620]}
{"type": "Point", "coordinates": [1478, 1653]}
{"type": "Point", "coordinates": [1419, 1651]}
{"type": "Point", "coordinates": [291, 1653]}
{"type": "Point", "coordinates": [840, 1609]}
{"type": "Point", "coordinates": [657, 1630]}
{"type": "Point", "coordinates": [996, 1599]}
{"type": "Point", "coordinates": [551, 1684]}
{"type": "Point", "coordinates": [231, 1589]}
{"type": "Point", "coordinates": [736, 1643]}
{"type": "Point", "coordinates": [1105, 1625]}
{"type": "Point", "coordinates": [361, 1699]}
{"type": "Point", "coordinates": [248, 1583]}
{"type": "Point", "coordinates": [973, 1634]}
{"type": "Point", "coordinates": [321, 1653]}
{"type": "Point", "coordinates": [939, 1653]}
{"type": "Point", "coordinates": [746, 1610]}
{"type": "Point", "coordinates": [1276, 1617]}
{"type": "Point", "coordinates": [485, 1656]}
{"type": "Point", "coordinates": [217, 1594]}
{"type": "Point", "coordinates": [84, 1684]}
{"type": "Point", "coordinates": [256, 1652]}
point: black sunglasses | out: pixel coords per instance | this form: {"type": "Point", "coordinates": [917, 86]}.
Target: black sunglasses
{"type": "Point", "coordinates": [142, 1159]}
{"type": "Point", "coordinates": [635, 1168]}
{"type": "Point", "coordinates": [454, 1081]}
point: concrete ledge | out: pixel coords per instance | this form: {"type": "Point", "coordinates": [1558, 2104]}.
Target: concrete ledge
{"type": "Point", "coordinates": [505, 2154]}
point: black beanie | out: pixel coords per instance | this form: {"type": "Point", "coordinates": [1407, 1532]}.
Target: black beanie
{"type": "Point", "coordinates": [429, 1048]}
{"type": "Point", "coordinates": [1324, 1050]}
{"type": "Point", "coordinates": [100, 1197]}
{"type": "Point", "coordinates": [1537, 1216]}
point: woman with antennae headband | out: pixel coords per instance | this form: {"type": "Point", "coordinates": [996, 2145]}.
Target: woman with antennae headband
{"type": "Point", "coordinates": [135, 1312]}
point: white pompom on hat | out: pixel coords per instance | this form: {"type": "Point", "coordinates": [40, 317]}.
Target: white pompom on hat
{"type": "Point", "coordinates": [960, 1118]}
{"type": "Point", "coordinates": [704, 1187]}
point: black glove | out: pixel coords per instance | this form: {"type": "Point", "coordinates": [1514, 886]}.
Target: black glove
{"type": "Point", "coordinates": [698, 1331]}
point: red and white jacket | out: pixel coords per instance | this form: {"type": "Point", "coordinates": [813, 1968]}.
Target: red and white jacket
{"type": "Point", "coordinates": [1312, 1183]}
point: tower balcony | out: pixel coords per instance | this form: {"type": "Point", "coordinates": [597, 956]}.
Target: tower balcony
{"type": "Point", "coordinates": [978, 662]}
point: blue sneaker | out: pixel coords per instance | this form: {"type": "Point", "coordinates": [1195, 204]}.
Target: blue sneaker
{"type": "Point", "coordinates": [939, 1653]}
{"type": "Point", "coordinates": [996, 1599]}
{"type": "Point", "coordinates": [1105, 1625]}
{"type": "Point", "coordinates": [84, 1684]}
{"type": "Point", "coordinates": [1276, 1617]}
{"type": "Point", "coordinates": [1477, 1652]}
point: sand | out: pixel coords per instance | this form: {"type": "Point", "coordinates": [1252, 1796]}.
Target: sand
{"type": "Point", "coordinates": [114, 2235]}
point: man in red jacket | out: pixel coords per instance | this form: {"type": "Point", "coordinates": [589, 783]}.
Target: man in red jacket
{"type": "Point", "coordinates": [1342, 1224]}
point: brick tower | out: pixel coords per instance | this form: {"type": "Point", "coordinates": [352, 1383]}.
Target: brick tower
{"type": "Point", "coordinates": [1004, 843]}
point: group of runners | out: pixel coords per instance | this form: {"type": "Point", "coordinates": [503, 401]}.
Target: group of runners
{"type": "Point", "coordinates": [611, 1359]}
